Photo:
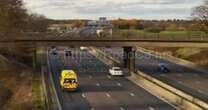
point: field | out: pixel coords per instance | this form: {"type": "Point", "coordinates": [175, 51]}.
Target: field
{"type": "Point", "coordinates": [170, 35]}
{"type": "Point", "coordinates": [37, 91]}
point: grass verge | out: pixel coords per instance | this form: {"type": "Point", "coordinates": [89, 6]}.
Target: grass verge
{"type": "Point", "coordinates": [163, 34]}
{"type": "Point", "coordinates": [38, 93]}
{"type": "Point", "coordinates": [196, 55]}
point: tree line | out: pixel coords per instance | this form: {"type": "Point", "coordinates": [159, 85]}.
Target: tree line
{"type": "Point", "coordinates": [14, 18]}
{"type": "Point", "coordinates": [198, 22]}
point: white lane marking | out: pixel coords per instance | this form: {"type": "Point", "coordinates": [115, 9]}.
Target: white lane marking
{"type": "Point", "coordinates": [159, 97]}
{"type": "Point", "coordinates": [108, 95]}
{"type": "Point", "coordinates": [132, 94]}
{"type": "Point", "coordinates": [119, 84]}
{"type": "Point", "coordinates": [179, 75]}
{"type": "Point", "coordinates": [83, 95]}
{"type": "Point", "coordinates": [200, 91]}
{"type": "Point", "coordinates": [90, 77]}
{"type": "Point", "coordinates": [180, 69]}
{"type": "Point", "coordinates": [198, 82]}
{"type": "Point", "coordinates": [150, 108]}
{"type": "Point", "coordinates": [109, 77]}
{"type": "Point", "coordinates": [196, 75]}
{"type": "Point", "coordinates": [98, 84]}
{"type": "Point", "coordinates": [162, 75]}
{"type": "Point", "coordinates": [180, 82]}
{"type": "Point", "coordinates": [121, 108]}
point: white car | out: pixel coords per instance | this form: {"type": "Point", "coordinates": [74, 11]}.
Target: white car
{"type": "Point", "coordinates": [83, 48]}
{"type": "Point", "coordinates": [116, 71]}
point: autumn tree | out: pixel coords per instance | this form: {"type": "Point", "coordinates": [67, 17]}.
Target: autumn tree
{"type": "Point", "coordinates": [126, 24]}
{"type": "Point", "coordinates": [79, 23]}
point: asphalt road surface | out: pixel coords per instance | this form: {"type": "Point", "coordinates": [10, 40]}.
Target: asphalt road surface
{"type": "Point", "coordinates": [98, 90]}
{"type": "Point", "coordinates": [186, 79]}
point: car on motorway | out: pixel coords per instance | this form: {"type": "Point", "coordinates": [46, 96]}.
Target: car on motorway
{"type": "Point", "coordinates": [83, 48]}
{"type": "Point", "coordinates": [69, 80]}
{"type": "Point", "coordinates": [163, 67]}
{"type": "Point", "coordinates": [68, 52]}
{"type": "Point", "coordinates": [53, 51]}
{"type": "Point", "coordinates": [116, 71]}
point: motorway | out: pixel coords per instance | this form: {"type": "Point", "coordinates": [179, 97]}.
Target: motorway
{"type": "Point", "coordinates": [98, 90]}
{"type": "Point", "coordinates": [186, 79]}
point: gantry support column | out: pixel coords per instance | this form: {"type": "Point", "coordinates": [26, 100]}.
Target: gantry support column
{"type": "Point", "coordinates": [129, 59]}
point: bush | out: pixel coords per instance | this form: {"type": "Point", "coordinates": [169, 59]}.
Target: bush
{"type": "Point", "coordinates": [154, 29]}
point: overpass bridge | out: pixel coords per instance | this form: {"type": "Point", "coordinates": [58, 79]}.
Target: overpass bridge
{"type": "Point", "coordinates": [127, 42]}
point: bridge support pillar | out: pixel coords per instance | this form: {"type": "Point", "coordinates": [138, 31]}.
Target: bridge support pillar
{"type": "Point", "coordinates": [129, 59]}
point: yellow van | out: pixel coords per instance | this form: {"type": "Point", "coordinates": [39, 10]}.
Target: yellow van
{"type": "Point", "coordinates": [69, 80]}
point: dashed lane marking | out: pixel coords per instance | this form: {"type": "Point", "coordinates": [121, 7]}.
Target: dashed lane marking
{"type": "Point", "coordinates": [108, 95]}
{"type": "Point", "coordinates": [98, 84]}
{"type": "Point", "coordinates": [109, 77]}
{"type": "Point", "coordinates": [163, 75]}
{"type": "Point", "coordinates": [83, 95]}
{"type": "Point", "coordinates": [119, 84]}
{"type": "Point", "coordinates": [198, 82]}
{"type": "Point", "coordinates": [150, 108]}
{"type": "Point", "coordinates": [200, 91]}
{"type": "Point", "coordinates": [196, 75]}
{"type": "Point", "coordinates": [180, 82]}
{"type": "Point", "coordinates": [121, 108]}
{"type": "Point", "coordinates": [132, 94]}
{"type": "Point", "coordinates": [179, 75]}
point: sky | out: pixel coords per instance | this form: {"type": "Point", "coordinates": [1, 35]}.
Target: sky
{"type": "Point", "coordinates": [113, 9]}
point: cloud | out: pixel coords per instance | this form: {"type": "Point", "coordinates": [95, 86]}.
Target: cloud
{"type": "Point", "coordinates": [113, 8]}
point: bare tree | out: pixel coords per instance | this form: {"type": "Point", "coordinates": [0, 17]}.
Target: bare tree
{"type": "Point", "coordinates": [200, 14]}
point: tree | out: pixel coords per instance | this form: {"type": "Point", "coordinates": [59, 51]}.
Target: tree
{"type": "Point", "coordinates": [126, 24]}
{"type": "Point", "coordinates": [12, 17]}
{"type": "Point", "coordinates": [37, 23]}
{"type": "Point", "coordinates": [79, 23]}
{"type": "Point", "coordinates": [200, 14]}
